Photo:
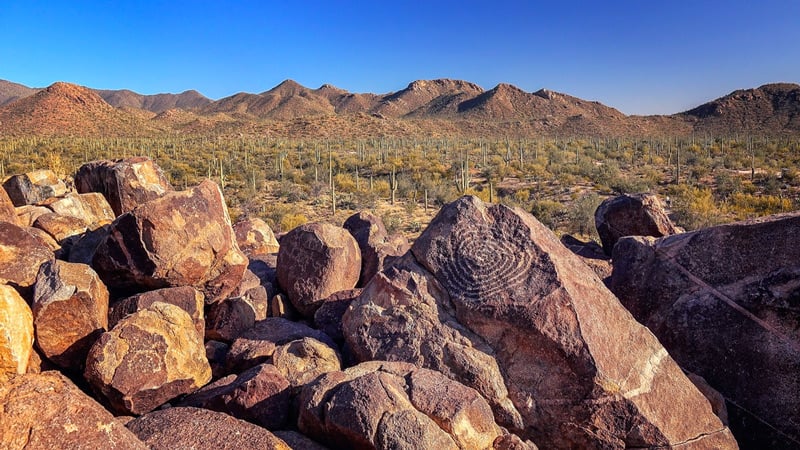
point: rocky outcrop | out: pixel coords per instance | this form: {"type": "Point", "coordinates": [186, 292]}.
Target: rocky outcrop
{"type": "Point", "coordinates": [490, 297]}
{"type": "Point", "coordinates": [255, 237]}
{"type": "Point", "coordinates": [378, 250]}
{"type": "Point", "coordinates": [34, 187]}
{"type": "Point", "coordinates": [631, 215]}
{"type": "Point", "coordinates": [724, 302]}
{"type": "Point", "coordinates": [187, 298]}
{"type": "Point", "coordinates": [70, 311]}
{"type": "Point", "coordinates": [315, 260]}
{"type": "Point", "coordinates": [125, 183]}
{"type": "Point", "coordinates": [47, 411]}
{"type": "Point", "coordinates": [16, 333]}
{"type": "Point", "coordinates": [180, 239]}
{"type": "Point", "coordinates": [395, 405]}
{"type": "Point", "coordinates": [147, 359]}
{"type": "Point", "coordinates": [21, 256]}
{"type": "Point", "coordinates": [195, 428]}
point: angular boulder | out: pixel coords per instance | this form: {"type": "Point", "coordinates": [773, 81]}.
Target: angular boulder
{"type": "Point", "coordinates": [255, 237]}
{"type": "Point", "coordinates": [147, 359]}
{"type": "Point", "coordinates": [490, 297]}
{"type": "Point", "coordinates": [7, 211]}
{"type": "Point", "coordinates": [631, 215]}
{"type": "Point", "coordinates": [328, 317]}
{"type": "Point", "coordinates": [187, 298]}
{"type": "Point", "coordinates": [125, 183]}
{"type": "Point", "coordinates": [70, 311]}
{"type": "Point", "coordinates": [229, 318]}
{"type": "Point", "coordinates": [725, 302]}
{"type": "Point", "coordinates": [195, 428]}
{"type": "Point", "coordinates": [395, 405]}
{"type": "Point", "coordinates": [60, 227]}
{"type": "Point", "coordinates": [47, 411]}
{"type": "Point", "coordinates": [92, 208]}
{"type": "Point", "coordinates": [378, 250]}
{"type": "Point", "coordinates": [180, 239]}
{"type": "Point", "coordinates": [27, 214]}
{"type": "Point", "coordinates": [21, 256]}
{"type": "Point", "coordinates": [34, 187]}
{"type": "Point", "coordinates": [302, 360]}
{"type": "Point", "coordinates": [314, 261]}
{"type": "Point", "coordinates": [16, 333]}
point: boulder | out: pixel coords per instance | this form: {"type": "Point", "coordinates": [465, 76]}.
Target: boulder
{"type": "Point", "coordinates": [125, 183]}
{"type": "Point", "coordinates": [34, 187]}
{"type": "Point", "coordinates": [378, 250]}
{"type": "Point", "coordinates": [27, 214]}
{"type": "Point", "coordinates": [70, 311]}
{"type": "Point", "coordinates": [44, 238]}
{"type": "Point", "coordinates": [201, 429]}
{"type": "Point", "coordinates": [259, 395]}
{"type": "Point", "coordinates": [216, 352]}
{"type": "Point", "coordinates": [315, 260]}
{"type": "Point", "coordinates": [631, 215]}
{"type": "Point", "coordinates": [302, 360]}
{"type": "Point", "coordinates": [490, 297]}
{"type": "Point", "coordinates": [299, 441]}
{"type": "Point", "coordinates": [395, 405]}
{"type": "Point", "coordinates": [47, 411]}
{"type": "Point", "coordinates": [724, 302]}
{"type": "Point", "coordinates": [187, 298]}
{"type": "Point", "coordinates": [16, 333]}
{"type": "Point", "coordinates": [92, 208]}
{"type": "Point", "coordinates": [21, 256]}
{"type": "Point", "coordinates": [255, 237]}
{"type": "Point", "coordinates": [60, 227]}
{"type": "Point", "coordinates": [180, 239]}
{"type": "Point", "coordinates": [328, 317]}
{"type": "Point", "coordinates": [83, 248]}
{"type": "Point", "coordinates": [7, 211]}
{"type": "Point", "coordinates": [229, 318]}
{"type": "Point", "coordinates": [147, 359]}
{"type": "Point", "coordinates": [591, 253]}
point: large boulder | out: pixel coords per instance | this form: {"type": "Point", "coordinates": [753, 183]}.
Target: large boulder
{"type": "Point", "coordinates": [147, 359]}
{"type": "Point", "coordinates": [395, 405]}
{"type": "Point", "coordinates": [47, 411]}
{"type": "Point", "coordinates": [16, 333]}
{"type": "Point", "coordinates": [92, 208]}
{"type": "Point", "coordinates": [631, 215]}
{"type": "Point", "coordinates": [201, 429]}
{"type": "Point", "coordinates": [34, 187]}
{"type": "Point", "coordinates": [180, 239]}
{"type": "Point", "coordinates": [21, 256]}
{"type": "Point", "coordinates": [378, 250]}
{"type": "Point", "coordinates": [125, 183]}
{"type": "Point", "coordinates": [70, 311]}
{"type": "Point", "coordinates": [60, 227]}
{"type": "Point", "coordinates": [315, 260]}
{"type": "Point", "coordinates": [725, 302]}
{"type": "Point", "coordinates": [302, 360]}
{"type": "Point", "coordinates": [490, 297]}
{"type": "Point", "coordinates": [7, 211]}
{"type": "Point", "coordinates": [187, 298]}
{"type": "Point", "coordinates": [255, 237]}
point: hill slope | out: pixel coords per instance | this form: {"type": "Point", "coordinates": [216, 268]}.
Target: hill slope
{"type": "Point", "coordinates": [188, 100]}
{"type": "Point", "coordinates": [10, 92]}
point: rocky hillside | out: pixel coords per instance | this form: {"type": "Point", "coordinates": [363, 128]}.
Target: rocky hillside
{"type": "Point", "coordinates": [188, 100]}
{"type": "Point", "coordinates": [10, 92]}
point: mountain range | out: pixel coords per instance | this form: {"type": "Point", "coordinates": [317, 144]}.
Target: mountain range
{"type": "Point", "coordinates": [424, 107]}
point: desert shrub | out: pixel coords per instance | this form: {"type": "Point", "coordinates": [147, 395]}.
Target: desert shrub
{"type": "Point", "coordinates": [550, 213]}
{"type": "Point", "coordinates": [694, 208]}
{"type": "Point", "coordinates": [580, 215]}
{"type": "Point", "coordinates": [748, 205]}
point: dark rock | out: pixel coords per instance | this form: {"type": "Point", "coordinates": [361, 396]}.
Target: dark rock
{"type": "Point", "coordinates": [33, 187]}
{"type": "Point", "coordinates": [187, 298]}
{"type": "Point", "coordinates": [631, 215]}
{"type": "Point", "coordinates": [125, 183]}
{"type": "Point", "coordinates": [377, 249]}
{"type": "Point", "coordinates": [328, 317]}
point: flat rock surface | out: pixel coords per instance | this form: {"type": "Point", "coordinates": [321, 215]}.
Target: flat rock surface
{"type": "Point", "coordinates": [21, 255]}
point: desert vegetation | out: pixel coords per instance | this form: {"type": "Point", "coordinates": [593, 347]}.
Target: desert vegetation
{"type": "Point", "coordinates": [705, 180]}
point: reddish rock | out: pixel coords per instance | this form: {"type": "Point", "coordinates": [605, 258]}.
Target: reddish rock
{"type": "Point", "coordinates": [591, 253]}
{"type": "Point", "coordinates": [395, 405]}
{"type": "Point", "coordinates": [195, 428]}
{"type": "Point", "coordinates": [255, 237]}
{"type": "Point", "coordinates": [187, 298]}
{"type": "Point", "coordinates": [34, 187]}
{"type": "Point", "coordinates": [7, 211]}
{"type": "Point", "coordinates": [280, 306]}
{"type": "Point", "coordinates": [60, 227]}
{"type": "Point", "coordinates": [125, 183]}
{"type": "Point", "coordinates": [216, 352]}
{"type": "Point", "coordinates": [229, 318]}
{"type": "Point", "coordinates": [82, 249]}
{"type": "Point", "coordinates": [328, 317]}
{"type": "Point", "coordinates": [27, 214]}
{"type": "Point", "coordinates": [147, 359]}
{"type": "Point", "coordinates": [21, 256]}
{"type": "Point", "coordinates": [16, 333]}
{"type": "Point", "coordinates": [70, 311]}
{"type": "Point", "coordinates": [302, 360]}
{"type": "Point", "coordinates": [92, 208]}
{"type": "Point", "coordinates": [180, 239]}
{"type": "Point", "coordinates": [316, 260]}
{"type": "Point", "coordinates": [631, 215]}
{"type": "Point", "coordinates": [724, 302]}
{"type": "Point", "coordinates": [47, 411]}
{"type": "Point", "coordinates": [491, 298]}
{"type": "Point", "coordinates": [299, 441]}
{"type": "Point", "coordinates": [259, 395]}
{"type": "Point", "coordinates": [44, 238]}
{"type": "Point", "coordinates": [378, 250]}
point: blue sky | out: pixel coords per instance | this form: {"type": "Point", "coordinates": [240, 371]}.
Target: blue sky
{"type": "Point", "coordinates": [641, 57]}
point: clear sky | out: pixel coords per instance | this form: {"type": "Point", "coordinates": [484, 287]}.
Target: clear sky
{"type": "Point", "coordinates": [639, 56]}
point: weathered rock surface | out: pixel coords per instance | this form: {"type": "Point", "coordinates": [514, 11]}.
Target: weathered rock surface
{"type": "Point", "coordinates": [201, 429]}
{"type": "Point", "coordinates": [70, 311]}
{"type": "Point", "coordinates": [229, 318]}
{"type": "Point", "coordinates": [591, 253]}
{"type": "Point", "coordinates": [259, 395]}
{"type": "Point", "coordinates": [7, 211]}
{"type": "Point", "coordinates": [16, 333]}
{"type": "Point", "coordinates": [180, 239]}
{"type": "Point", "coordinates": [302, 360]}
{"type": "Point", "coordinates": [491, 298]}
{"type": "Point", "coordinates": [315, 260]}
{"type": "Point", "coordinates": [47, 411]}
{"type": "Point", "coordinates": [216, 352]}
{"type": "Point", "coordinates": [328, 317]}
{"type": "Point", "coordinates": [147, 359]}
{"type": "Point", "coordinates": [34, 187]}
{"type": "Point", "coordinates": [44, 238]}
{"type": "Point", "coordinates": [725, 302]}
{"type": "Point", "coordinates": [20, 256]}
{"type": "Point", "coordinates": [92, 208]}
{"type": "Point", "coordinates": [125, 183]}
{"type": "Point", "coordinates": [299, 441]}
{"type": "Point", "coordinates": [60, 227]}
{"type": "Point", "coordinates": [395, 405]}
{"type": "Point", "coordinates": [631, 215]}
{"type": "Point", "coordinates": [27, 214]}
{"type": "Point", "coordinates": [187, 298]}
{"type": "Point", "coordinates": [377, 249]}
{"type": "Point", "coordinates": [255, 237]}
